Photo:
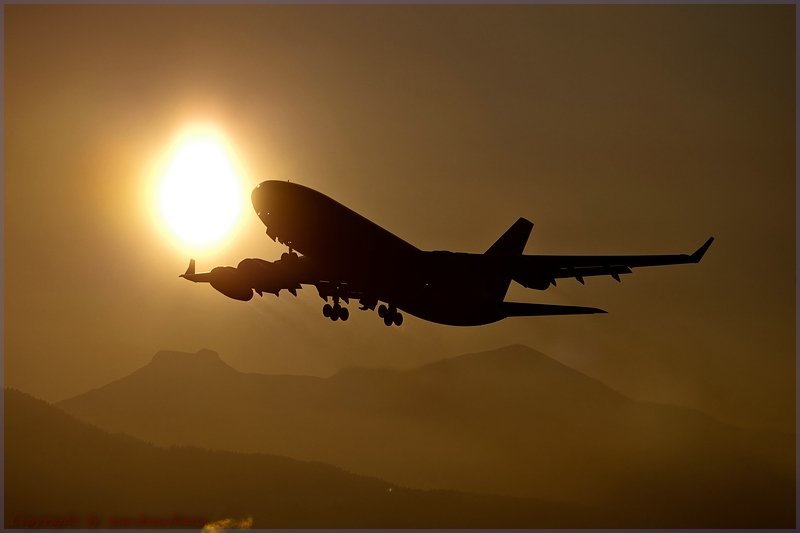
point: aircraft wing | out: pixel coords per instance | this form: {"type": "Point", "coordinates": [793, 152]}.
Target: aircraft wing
{"type": "Point", "coordinates": [539, 271]}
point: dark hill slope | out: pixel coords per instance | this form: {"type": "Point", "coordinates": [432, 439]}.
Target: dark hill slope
{"type": "Point", "coordinates": [57, 467]}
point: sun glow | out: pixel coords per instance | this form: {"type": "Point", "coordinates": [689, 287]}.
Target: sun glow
{"type": "Point", "coordinates": [200, 195]}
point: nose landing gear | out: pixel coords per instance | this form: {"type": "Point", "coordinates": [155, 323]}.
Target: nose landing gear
{"type": "Point", "coordinates": [290, 256]}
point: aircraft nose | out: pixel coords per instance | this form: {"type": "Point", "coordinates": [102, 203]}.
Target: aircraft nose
{"type": "Point", "coordinates": [260, 199]}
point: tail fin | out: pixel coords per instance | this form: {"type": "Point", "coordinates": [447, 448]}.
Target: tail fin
{"type": "Point", "coordinates": [513, 241]}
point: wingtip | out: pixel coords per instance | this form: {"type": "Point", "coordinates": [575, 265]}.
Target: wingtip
{"type": "Point", "coordinates": [698, 255]}
{"type": "Point", "coordinates": [189, 269]}
{"type": "Point", "coordinates": [590, 311]}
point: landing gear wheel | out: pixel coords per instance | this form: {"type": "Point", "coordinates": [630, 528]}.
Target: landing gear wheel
{"type": "Point", "coordinates": [284, 255]}
{"type": "Point", "coordinates": [327, 310]}
{"type": "Point", "coordinates": [344, 314]}
{"type": "Point", "coordinates": [390, 315]}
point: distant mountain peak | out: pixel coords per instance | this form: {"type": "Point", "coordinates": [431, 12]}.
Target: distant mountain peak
{"type": "Point", "coordinates": [201, 359]}
{"type": "Point", "coordinates": [517, 363]}
{"type": "Point", "coordinates": [202, 355]}
{"type": "Point", "coordinates": [512, 355]}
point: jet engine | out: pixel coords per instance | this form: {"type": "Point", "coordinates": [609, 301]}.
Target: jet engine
{"type": "Point", "coordinates": [533, 281]}
{"type": "Point", "coordinates": [230, 282]}
{"type": "Point", "coordinates": [264, 276]}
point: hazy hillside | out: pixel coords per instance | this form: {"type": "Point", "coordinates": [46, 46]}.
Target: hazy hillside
{"type": "Point", "coordinates": [58, 471]}
{"type": "Point", "coordinates": [511, 421]}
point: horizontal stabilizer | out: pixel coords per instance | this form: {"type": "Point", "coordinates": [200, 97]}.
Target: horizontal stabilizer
{"type": "Point", "coordinates": [526, 309]}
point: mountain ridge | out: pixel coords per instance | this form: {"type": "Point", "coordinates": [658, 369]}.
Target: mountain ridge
{"type": "Point", "coordinates": [510, 421]}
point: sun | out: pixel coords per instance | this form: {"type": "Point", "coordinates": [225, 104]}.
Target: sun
{"type": "Point", "coordinates": [200, 196]}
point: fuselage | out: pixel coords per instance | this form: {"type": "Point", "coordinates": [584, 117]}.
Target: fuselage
{"type": "Point", "coordinates": [348, 257]}
{"type": "Point", "coordinates": [342, 247]}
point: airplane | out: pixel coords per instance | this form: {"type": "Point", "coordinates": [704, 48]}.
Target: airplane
{"type": "Point", "coordinates": [346, 256]}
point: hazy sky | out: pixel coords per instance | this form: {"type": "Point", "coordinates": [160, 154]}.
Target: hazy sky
{"type": "Point", "coordinates": [624, 129]}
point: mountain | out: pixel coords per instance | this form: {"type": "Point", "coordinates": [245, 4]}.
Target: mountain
{"type": "Point", "coordinates": [60, 471]}
{"type": "Point", "coordinates": [511, 422]}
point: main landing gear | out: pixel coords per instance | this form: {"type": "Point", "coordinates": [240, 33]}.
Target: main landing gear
{"type": "Point", "coordinates": [335, 312]}
{"type": "Point", "coordinates": [390, 315]}
{"type": "Point", "coordinates": [341, 292]}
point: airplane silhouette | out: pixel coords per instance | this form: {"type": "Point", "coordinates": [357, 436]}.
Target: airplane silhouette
{"type": "Point", "coordinates": [346, 256]}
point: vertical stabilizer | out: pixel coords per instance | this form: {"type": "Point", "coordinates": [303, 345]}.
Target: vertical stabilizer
{"type": "Point", "coordinates": [511, 243]}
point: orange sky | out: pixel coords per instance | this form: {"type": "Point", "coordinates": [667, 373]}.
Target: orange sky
{"type": "Point", "coordinates": [627, 129]}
